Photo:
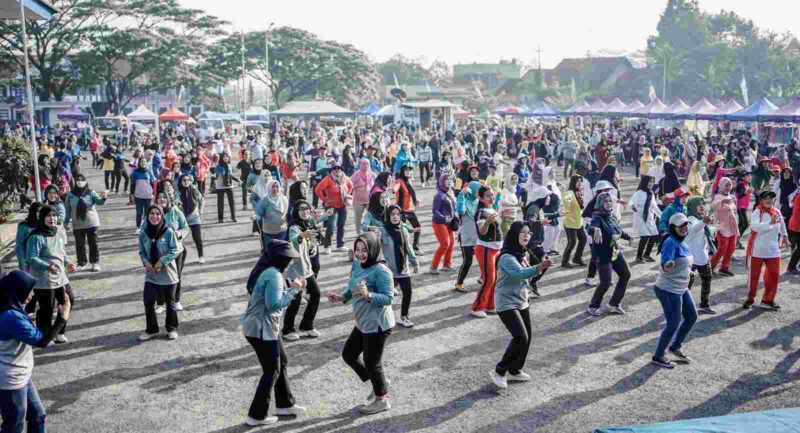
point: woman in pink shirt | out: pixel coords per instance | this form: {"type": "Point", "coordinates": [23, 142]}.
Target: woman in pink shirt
{"type": "Point", "coordinates": [363, 179]}
{"type": "Point", "coordinates": [724, 205]}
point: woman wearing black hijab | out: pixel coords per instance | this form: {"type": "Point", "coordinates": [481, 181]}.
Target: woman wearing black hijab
{"type": "Point", "coordinates": [158, 250]}
{"type": "Point", "coordinates": [298, 191]}
{"type": "Point", "coordinates": [383, 181]}
{"type": "Point", "coordinates": [788, 186]}
{"type": "Point", "coordinates": [17, 334]}
{"type": "Point", "coordinates": [669, 183]}
{"type": "Point", "coordinates": [609, 174]}
{"type": "Point", "coordinates": [305, 237]}
{"type": "Point", "coordinates": [192, 204]}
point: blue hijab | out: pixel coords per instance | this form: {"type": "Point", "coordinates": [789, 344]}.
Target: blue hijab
{"type": "Point", "coordinates": [14, 290]}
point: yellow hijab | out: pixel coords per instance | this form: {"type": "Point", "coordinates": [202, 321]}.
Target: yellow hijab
{"type": "Point", "coordinates": [695, 182]}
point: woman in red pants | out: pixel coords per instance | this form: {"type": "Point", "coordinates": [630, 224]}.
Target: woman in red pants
{"type": "Point", "coordinates": [444, 211]}
{"type": "Point", "coordinates": [724, 205]}
{"type": "Point", "coordinates": [490, 242]}
{"type": "Point", "coordinates": [764, 249]}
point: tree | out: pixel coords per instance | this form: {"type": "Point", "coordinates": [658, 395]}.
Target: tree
{"type": "Point", "coordinates": [251, 95]}
{"type": "Point", "coordinates": [440, 73]}
{"type": "Point", "coordinates": [16, 166]}
{"type": "Point", "coordinates": [140, 45]}
{"type": "Point", "coordinates": [50, 44]}
{"type": "Point", "coordinates": [406, 69]}
{"type": "Point", "coordinates": [300, 65]}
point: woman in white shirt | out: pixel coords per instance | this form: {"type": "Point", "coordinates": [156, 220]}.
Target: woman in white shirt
{"type": "Point", "coordinates": [764, 249]}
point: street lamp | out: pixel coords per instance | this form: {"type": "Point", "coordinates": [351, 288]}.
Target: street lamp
{"type": "Point", "coordinates": [266, 58]}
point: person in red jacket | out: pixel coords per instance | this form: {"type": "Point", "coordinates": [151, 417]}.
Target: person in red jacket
{"type": "Point", "coordinates": [336, 193]}
{"type": "Point", "coordinates": [793, 229]}
{"type": "Point", "coordinates": [407, 200]}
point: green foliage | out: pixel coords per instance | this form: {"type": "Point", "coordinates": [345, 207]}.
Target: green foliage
{"type": "Point", "coordinates": [16, 166]}
{"type": "Point", "coordinates": [406, 69]}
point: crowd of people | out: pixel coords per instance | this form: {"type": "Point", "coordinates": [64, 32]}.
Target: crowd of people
{"type": "Point", "coordinates": [496, 194]}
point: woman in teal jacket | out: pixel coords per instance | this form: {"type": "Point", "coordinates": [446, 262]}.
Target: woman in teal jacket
{"type": "Point", "coordinates": [82, 204]}
{"type": "Point", "coordinates": [370, 291]}
{"type": "Point", "coordinates": [400, 257]}
{"type": "Point", "coordinates": [23, 231]}
{"type": "Point", "coordinates": [158, 249]}
{"type": "Point", "coordinates": [174, 219]}
{"type": "Point", "coordinates": [511, 302]}
{"type": "Point", "coordinates": [261, 325]}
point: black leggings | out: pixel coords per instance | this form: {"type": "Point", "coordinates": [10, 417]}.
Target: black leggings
{"type": "Point", "coordinates": [576, 239]}
{"type": "Point", "coordinates": [743, 223]}
{"type": "Point", "coordinates": [620, 266]}
{"type": "Point", "coordinates": [705, 282]}
{"type": "Point", "coordinates": [48, 300]}
{"type": "Point", "coordinates": [794, 239]}
{"type": "Point", "coordinates": [307, 323]}
{"type": "Point", "coordinates": [371, 368]}
{"type": "Point", "coordinates": [424, 171]}
{"type": "Point", "coordinates": [221, 203]}
{"type": "Point", "coordinates": [518, 323]}
{"type": "Point", "coordinates": [118, 176]}
{"type": "Point", "coordinates": [646, 244]}
{"type": "Point", "coordinates": [405, 287]}
{"type": "Point", "coordinates": [109, 178]}
{"type": "Point", "coordinates": [197, 237]}
{"type": "Point", "coordinates": [411, 217]}
{"type": "Point", "coordinates": [467, 253]}
{"type": "Point", "coordinates": [179, 262]}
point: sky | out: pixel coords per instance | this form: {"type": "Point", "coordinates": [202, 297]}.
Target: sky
{"type": "Point", "coordinates": [487, 31]}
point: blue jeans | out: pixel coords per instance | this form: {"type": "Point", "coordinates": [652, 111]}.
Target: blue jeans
{"type": "Point", "coordinates": [20, 405]}
{"type": "Point", "coordinates": [339, 218]}
{"type": "Point", "coordinates": [141, 208]}
{"type": "Point", "coordinates": [675, 306]}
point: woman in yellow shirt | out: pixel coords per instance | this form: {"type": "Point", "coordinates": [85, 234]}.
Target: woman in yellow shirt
{"type": "Point", "coordinates": [646, 161]}
{"type": "Point", "coordinates": [573, 222]}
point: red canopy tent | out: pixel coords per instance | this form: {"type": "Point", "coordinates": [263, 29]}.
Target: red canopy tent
{"type": "Point", "coordinates": [173, 114]}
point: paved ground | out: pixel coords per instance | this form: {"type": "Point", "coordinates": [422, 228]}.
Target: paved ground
{"type": "Point", "coordinates": [587, 372]}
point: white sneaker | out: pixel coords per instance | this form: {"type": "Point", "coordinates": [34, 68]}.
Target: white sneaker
{"type": "Point", "coordinates": [51, 343]}
{"type": "Point", "coordinates": [201, 260]}
{"type": "Point", "coordinates": [291, 337]}
{"type": "Point", "coordinates": [341, 249]}
{"type": "Point", "coordinates": [266, 421]}
{"type": "Point", "coordinates": [616, 310]}
{"type": "Point", "coordinates": [138, 231]}
{"type": "Point", "coordinates": [405, 322]}
{"type": "Point", "coordinates": [254, 234]}
{"type": "Point", "coordinates": [61, 338]}
{"type": "Point", "coordinates": [375, 407]}
{"type": "Point", "coordinates": [95, 267]}
{"type": "Point", "coordinates": [519, 377]}
{"type": "Point", "coordinates": [326, 251]}
{"type": "Point", "coordinates": [287, 411]}
{"type": "Point", "coordinates": [478, 314]}
{"type": "Point", "coordinates": [159, 309]}
{"type": "Point", "coordinates": [589, 282]}
{"type": "Point", "coordinates": [593, 311]}
{"type": "Point", "coordinates": [395, 292]}
{"type": "Point", "coordinates": [172, 335]}
{"type": "Point", "coordinates": [145, 336]}
{"type": "Point", "coordinates": [178, 306]}
{"type": "Point", "coordinates": [499, 381]}
{"type": "Point", "coordinates": [85, 267]}
{"type": "Point", "coordinates": [311, 333]}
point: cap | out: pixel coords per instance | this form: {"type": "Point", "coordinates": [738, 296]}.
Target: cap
{"type": "Point", "coordinates": [763, 159]}
{"type": "Point", "coordinates": [280, 248]}
{"type": "Point", "coordinates": [678, 219]}
{"type": "Point", "coordinates": [766, 194]}
{"type": "Point", "coordinates": [601, 185]}
{"type": "Point", "coordinates": [719, 158]}
{"type": "Point", "coordinates": [679, 192]}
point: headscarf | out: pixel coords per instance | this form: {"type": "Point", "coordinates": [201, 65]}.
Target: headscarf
{"type": "Point", "coordinates": [41, 227]}
{"type": "Point", "coordinates": [189, 196]}
{"type": "Point", "coordinates": [644, 182]}
{"type": "Point", "coordinates": [573, 186]}
{"type": "Point", "coordinates": [32, 220]}
{"type": "Point", "coordinates": [691, 207]}
{"type": "Point", "coordinates": [657, 170]}
{"type": "Point", "coordinates": [788, 186]}
{"type": "Point", "coordinates": [295, 192]}
{"type": "Point", "coordinates": [14, 290]}
{"type": "Point", "coordinates": [373, 248]}
{"type": "Point", "coordinates": [364, 172]}
{"type": "Point", "coordinates": [266, 261]}
{"type": "Point", "coordinates": [261, 188]}
{"type": "Point", "coordinates": [83, 208]}
{"type": "Point", "coordinates": [468, 199]}
{"type": "Point", "coordinates": [278, 202]}
{"type": "Point", "coordinates": [511, 242]}
{"type": "Point", "coordinates": [375, 208]}
{"type": "Point", "coordinates": [381, 181]}
{"type": "Point", "coordinates": [441, 185]}
{"type": "Point", "coordinates": [294, 216]}
{"type": "Point", "coordinates": [671, 182]}
{"type": "Point", "coordinates": [609, 175]}
{"type": "Point", "coordinates": [154, 232]}
{"type": "Point", "coordinates": [401, 175]}
{"type": "Point", "coordinates": [606, 216]}
{"type": "Point", "coordinates": [695, 182]}
{"type": "Point", "coordinates": [394, 232]}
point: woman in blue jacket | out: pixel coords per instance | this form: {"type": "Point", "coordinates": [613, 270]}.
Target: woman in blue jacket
{"type": "Point", "coordinates": [606, 234]}
{"type": "Point", "coordinates": [19, 400]}
{"type": "Point", "coordinates": [158, 249]}
{"type": "Point", "coordinates": [511, 302]}
{"type": "Point", "coordinates": [143, 187]}
{"type": "Point", "coordinates": [370, 291]}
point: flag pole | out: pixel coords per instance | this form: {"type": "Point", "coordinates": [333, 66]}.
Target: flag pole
{"type": "Point", "coordinates": [29, 93]}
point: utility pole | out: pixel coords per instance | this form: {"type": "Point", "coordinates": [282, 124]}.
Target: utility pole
{"type": "Point", "coordinates": [242, 98]}
{"type": "Point", "coordinates": [664, 88]}
{"type": "Point", "coordinates": [539, 54]}
{"type": "Point", "coordinates": [266, 58]}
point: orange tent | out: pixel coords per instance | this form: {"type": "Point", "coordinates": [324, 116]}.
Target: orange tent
{"type": "Point", "coordinates": [173, 114]}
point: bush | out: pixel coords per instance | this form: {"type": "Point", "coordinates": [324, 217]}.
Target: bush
{"type": "Point", "coordinates": [16, 166]}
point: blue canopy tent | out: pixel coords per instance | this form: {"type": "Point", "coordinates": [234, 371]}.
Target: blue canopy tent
{"type": "Point", "coordinates": [215, 115]}
{"type": "Point", "coordinates": [762, 107]}
{"type": "Point", "coordinates": [787, 114]}
{"type": "Point", "coordinates": [701, 108]}
{"type": "Point", "coordinates": [719, 114]}
{"type": "Point", "coordinates": [542, 110]}
{"type": "Point", "coordinates": [369, 110]}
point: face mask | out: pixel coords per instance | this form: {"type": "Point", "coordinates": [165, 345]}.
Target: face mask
{"type": "Point", "coordinates": [81, 183]}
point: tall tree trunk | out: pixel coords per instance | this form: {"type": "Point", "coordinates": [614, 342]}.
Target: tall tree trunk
{"type": "Point", "coordinates": [44, 87]}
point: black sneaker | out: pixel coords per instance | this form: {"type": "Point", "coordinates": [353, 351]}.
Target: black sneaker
{"type": "Point", "coordinates": [662, 362]}
{"type": "Point", "coordinates": [554, 253]}
{"type": "Point", "coordinates": [705, 309]}
{"type": "Point", "coordinates": [770, 306]}
{"type": "Point", "coordinates": [580, 263]}
{"type": "Point", "coordinates": [639, 260]}
{"type": "Point", "coordinates": [679, 356]}
{"type": "Point", "coordinates": [534, 290]}
{"type": "Point", "coordinates": [567, 265]}
{"type": "Point", "coordinates": [747, 305]}
{"type": "Point", "coordinates": [649, 259]}
{"type": "Point", "coordinates": [726, 272]}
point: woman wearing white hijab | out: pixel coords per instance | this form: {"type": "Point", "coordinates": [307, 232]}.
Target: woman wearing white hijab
{"type": "Point", "coordinates": [657, 170]}
{"type": "Point", "coordinates": [273, 209]}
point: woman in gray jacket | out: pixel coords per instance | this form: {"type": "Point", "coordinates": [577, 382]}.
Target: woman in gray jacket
{"type": "Point", "coordinates": [81, 209]}
{"type": "Point", "coordinates": [511, 303]}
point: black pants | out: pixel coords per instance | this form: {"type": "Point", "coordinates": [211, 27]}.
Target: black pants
{"type": "Point", "coordinates": [201, 186]}
{"type": "Point", "coordinates": [81, 236]}
{"type": "Point", "coordinates": [47, 299]}
{"type": "Point", "coordinates": [518, 323]}
{"type": "Point", "coordinates": [118, 176]}
{"type": "Point", "coordinates": [315, 198]}
{"type": "Point", "coordinates": [109, 178]}
{"type": "Point", "coordinates": [273, 359]}
{"type": "Point", "coordinates": [576, 239]}
{"type": "Point", "coordinates": [536, 254]}
{"type": "Point", "coordinates": [467, 253]}
{"type": "Point", "coordinates": [794, 239]}
{"type": "Point", "coordinates": [620, 267]}
{"type": "Point", "coordinates": [424, 171]}
{"type": "Point", "coordinates": [592, 271]}
{"type": "Point", "coordinates": [370, 368]}
{"type": "Point", "coordinates": [315, 264]}
{"type": "Point", "coordinates": [221, 203]}
{"type": "Point", "coordinates": [705, 282]}
{"type": "Point", "coordinates": [405, 287]}
{"type": "Point", "coordinates": [743, 223]}
{"type": "Point", "coordinates": [151, 293]}
{"type": "Point", "coordinates": [197, 237]}
{"type": "Point", "coordinates": [411, 217]}
{"type": "Point", "coordinates": [179, 262]}
{"type": "Point", "coordinates": [646, 244]}
{"type": "Point", "coordinates": [307, 323]}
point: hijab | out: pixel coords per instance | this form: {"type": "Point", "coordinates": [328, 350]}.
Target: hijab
{"type": "Point", "coordinates": [468, 199]}
{"type": "Point", "coordinates": [373, 248]}
{"type": "Point", "coordinates": [394, 232]}
{"type": "Point", "coordinates": [294, 216]}
{"type": "Point", "coordinates": [644, 182]}
{"type": "Point", "coordinates": [154, 232]}
{"type": "Point", "coordinates": [607, 219]}
{"type": "Point", "coordinates": [261, 188]}
{"type": "Point", "coordinates": [573, 186]}
{"type": "Point", "coordinates": [15, 288]}
{"type": "Point", "coordinates": [671, 182]}
{"type": "Point", "coordinates": [511, 242]}
{"type": "Point", "coordinates": [33, 215]}
{"type": "Point", "coordinates": [609, 175]}
{"type": "Point", "coordinates": [83, 208]}
{"type": "Point", "coordinates": [189, 196]}
{"type": "Point", "coordinates": [381, 181]}
{"type": "Point", "coordinates": [295, 192]}
{"type": "Point", "coordinates": [695, 181]}
{"type": "Point", "coordinates": [41, 227]}
{"type": "Point", "coordinates": [375, 208]}
{"type": "Point", "coordinates": [788, 186]}
{"type": "Point", "coordinates": [364, 172]}
{"type": "Point", "coordinates": [657, 170]}
{"type": "Point", "coordinates": [278, 202]}
{"type": "Point", "coordinates": [266, 261]}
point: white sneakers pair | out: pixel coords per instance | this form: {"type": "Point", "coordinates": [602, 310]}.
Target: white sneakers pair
{"type": "Point", "coordinates": [294, 336]}
{"type": "Point", "coordinates": [501, 381]}
{"type": "Point", "coordinates": [160, 308]}
{"type": "Point", "coordinates": [172, 335]}
{"type": "Point", "coordinates": [288, 411]}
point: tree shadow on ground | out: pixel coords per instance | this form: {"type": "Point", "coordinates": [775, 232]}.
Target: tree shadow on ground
{"type": "Point", "coordinates": [783, 337]}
